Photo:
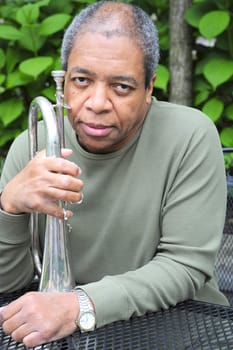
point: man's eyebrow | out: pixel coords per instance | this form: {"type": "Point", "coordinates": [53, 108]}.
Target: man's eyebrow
{"type": "Point", "coordinates": [125, 78]}
{"type": "Point", "coordinates": [82, 71]}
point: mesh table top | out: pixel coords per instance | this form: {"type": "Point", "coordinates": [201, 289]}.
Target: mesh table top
{"type": "Point", "coordinates": [189, 325]}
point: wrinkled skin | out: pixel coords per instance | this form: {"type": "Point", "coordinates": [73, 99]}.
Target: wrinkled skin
{"type": "Point", "coordinates": [37, 318]}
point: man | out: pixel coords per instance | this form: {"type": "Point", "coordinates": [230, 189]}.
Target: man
{"type": "Point", "coordinates": [148, 230]}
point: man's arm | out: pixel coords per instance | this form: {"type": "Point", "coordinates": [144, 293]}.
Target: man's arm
{"type": "Point", "coordinates": [192, 221]}
{"type": "Point", "coordinates": [28, 186]}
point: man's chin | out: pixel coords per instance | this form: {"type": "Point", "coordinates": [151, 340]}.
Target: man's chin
{"type": "Point", "coordinates": [97, 147]}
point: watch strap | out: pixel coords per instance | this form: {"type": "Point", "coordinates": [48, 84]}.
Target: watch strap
{"type": "Point", "coordinates": [85, 305]}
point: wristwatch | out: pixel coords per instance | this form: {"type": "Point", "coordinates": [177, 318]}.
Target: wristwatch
{"type": "Point", "coordinates": [86, 319]}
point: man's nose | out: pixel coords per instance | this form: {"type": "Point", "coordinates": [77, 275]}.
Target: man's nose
{"type": "Point", "coordinates": [99, 100]}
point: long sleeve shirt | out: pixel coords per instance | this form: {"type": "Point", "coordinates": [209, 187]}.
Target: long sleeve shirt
{"type": "Point", "coordinates": [148, 231]}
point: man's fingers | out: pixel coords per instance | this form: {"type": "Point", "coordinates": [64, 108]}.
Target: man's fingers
{"type": "Point", "coordinates": [33, 339]}
{"type": "Point", "coordinates": [54, 210]}
{"type": "Point", "coordinates": [65, 153]}
{"type": "Point", "coordinates": [54, 164]}
{"type": "Point", "coordinates": [19, 333]}
{"type": "Point", "coordinates": [27, 319]}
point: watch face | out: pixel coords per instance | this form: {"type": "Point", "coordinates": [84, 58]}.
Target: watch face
{"type": "Point", "coordinates": [87, 321]}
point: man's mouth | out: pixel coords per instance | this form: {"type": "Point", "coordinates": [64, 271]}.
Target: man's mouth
{"type": "Point", "coordinates": [96, 130]}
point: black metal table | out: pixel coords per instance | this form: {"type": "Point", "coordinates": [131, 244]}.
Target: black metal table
{"type": "Point", "coordinates": [189, 325]}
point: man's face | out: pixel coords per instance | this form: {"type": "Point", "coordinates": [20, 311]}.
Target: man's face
{"type": "Point", "coordinates": [105, 89]}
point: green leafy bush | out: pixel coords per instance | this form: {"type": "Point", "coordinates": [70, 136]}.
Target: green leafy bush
{"type": "Point", "coordinates": [30, 38]}
{"type": "Point", "coordinates": [27, 55]}
{"type": "Point", "coordinates": [213, 89]}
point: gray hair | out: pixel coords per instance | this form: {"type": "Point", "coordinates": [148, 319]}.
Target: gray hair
{"type": "Point", "coordinates": [136, 24]}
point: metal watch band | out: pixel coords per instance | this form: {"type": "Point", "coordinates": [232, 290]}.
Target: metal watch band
{"type": "Point", "coordinates": [86, 309]}
{"type": "Point", "coordinates": [85, 303]}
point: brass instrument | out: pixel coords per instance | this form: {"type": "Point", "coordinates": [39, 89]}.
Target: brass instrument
{"type": "Point", "coordinates": [54, 270]}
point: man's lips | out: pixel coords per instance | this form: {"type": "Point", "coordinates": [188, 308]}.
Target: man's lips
{"type": "Point", "coordinates": [96, 130]}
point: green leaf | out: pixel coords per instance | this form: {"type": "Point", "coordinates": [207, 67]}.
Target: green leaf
{"type": "Point", "coordinates": [213, 108]}
{"type": "Point", "coordinates": [218, 71]}
{"type": "Point", "coordinates": [2, 58]}
{"type": "Point", "coordinates": [10, 110]}
{"type": "Point", "coordinates": [214, 23]}
{"type": "Point", "coordinates": [226, 136]}
{"type": "Point", "coordinates": [12, 58]}
{"type": "Point", "coordinates": [56, 6]}
{"type": "Point", "coordinates": [194, 13]}
{"type": "Point", "coordinates": [201, 97]}
{"type": "Point", "coordinates": [159, 4]}
{"type": "Point", "coordinates": [162, 78]}
{"type": "Point", "coordinates": [17, 79]}
{"type": "Point", "coordinates": [35, 66]}
{"type": "Point", "coordinates": [27, 14]}
{"type": "Point", "coordinates": [49, 93]}
{"type": "Point", "coordinates": [199, 68]}
{"type": "Point", "coordinates": [9, 32]}
{"type": "Point", "coordinates": [201, 85]}
{"type": "Point", "coordinates": [31, 40]}
{"type": "Point", "coordinates": [164, 42]}
{"type": "Point", "coordinates": [162, 28]}
{"type": "Point", "coordinates": [229, 112]}
{"type": "Point", "coordinates": [53, 24]}
{"type": "Point", "coordinates": [57, 63]}
{"type": "Point", "coordinates": [43, 3]}
{"type": "Point", "coordinates": [2, 78]}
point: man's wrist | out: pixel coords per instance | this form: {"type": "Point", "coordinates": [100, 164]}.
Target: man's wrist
{"type": "Point", "coordinates": [2, 208]}
{"type": "Point", "coordinates": [86, 320]}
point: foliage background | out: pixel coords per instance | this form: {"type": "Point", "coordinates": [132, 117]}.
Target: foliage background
{"type": "Point", "coordinates": [30, 37]}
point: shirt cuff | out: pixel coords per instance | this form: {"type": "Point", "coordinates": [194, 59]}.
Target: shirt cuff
{"type": "Point", "coordinates": [110, 300]}
{"type": "Point", "coordinates": [14, 228]}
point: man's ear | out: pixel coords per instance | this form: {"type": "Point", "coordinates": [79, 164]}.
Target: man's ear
{"type": "Point", "coordinates": [150, 89]}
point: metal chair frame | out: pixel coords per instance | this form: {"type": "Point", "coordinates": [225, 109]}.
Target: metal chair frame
{"type": "Point", "coordinates": [224, 262]}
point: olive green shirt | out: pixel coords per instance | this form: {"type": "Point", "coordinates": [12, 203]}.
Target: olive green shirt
{"type": "Point", "coordinates": [148, 231]}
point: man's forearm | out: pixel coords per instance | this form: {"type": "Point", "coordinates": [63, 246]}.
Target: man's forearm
{"type": "Point", "coordinates": [16, 266]}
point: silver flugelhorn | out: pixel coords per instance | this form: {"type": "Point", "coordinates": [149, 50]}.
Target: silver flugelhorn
{"type": "Point", "coordinates": [54, 268]}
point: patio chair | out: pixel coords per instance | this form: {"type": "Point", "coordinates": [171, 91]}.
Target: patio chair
{"type": "Point", "coordinates": [224, 263]}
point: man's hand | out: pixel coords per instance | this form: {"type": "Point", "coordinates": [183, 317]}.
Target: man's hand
{"type": "Point", "coordinates": [37, 318]}
{"type": "Point", "coordinates": [41, 183]}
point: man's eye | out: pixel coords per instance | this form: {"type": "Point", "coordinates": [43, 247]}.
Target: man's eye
{"type": "Point", "coordinates": [123, 88]}
{"type": "Point", "coordinates": [81, 80]}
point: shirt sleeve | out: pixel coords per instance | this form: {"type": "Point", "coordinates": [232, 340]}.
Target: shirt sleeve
{"type": "Point", "coordinates": [16, 265]}
{"type": "Point", "coordinates": [15, 258]}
